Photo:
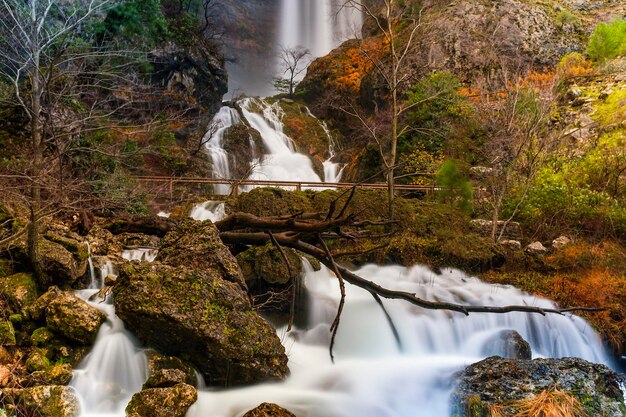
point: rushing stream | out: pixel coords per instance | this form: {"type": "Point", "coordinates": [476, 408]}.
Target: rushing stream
{"type": "Point", "coordinates": [373, 375]}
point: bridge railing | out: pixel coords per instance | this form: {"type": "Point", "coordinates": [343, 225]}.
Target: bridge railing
{"type": "Point", "coordinates": [169, 182]}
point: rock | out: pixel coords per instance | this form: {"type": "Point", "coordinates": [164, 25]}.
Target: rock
{"type": "Point", "coordinates": [268, 410]}
{"type": "Point", "coordinates": [7, 333]}
{"type": "Point", "coordinates": [484, 227]}
{"type": "Point", "coordinates": [19, 290]}
{"type": "Point", "coordinates": [560, 242]}
{"type": "Point", "coordinates": [60, 374]}
{"type": "Point", "coordinates": [162, 402]}
{"type": "Point", "coordinates": [507, 344]}
{"type": "Point", "coordinates": [73, 318]}
{"type": "Point", "coordinates": [159, 367]}
{"type": "Point", "coordinates": [37, 310]}
{"type": "Point", "coordinates": [165, 378]}
{"type": "Point", "coordinates": [41, 336]}
{"type": "Point", "coordinates": [511, 244]}
{"type": "Point", "coordinates": [197, 245]}
{"type": "Point", "coordinates": [196, 314]}
{"type": "Point", "coordinates": [267, 263]}
{"type": "Point", "coordinates": [5, 356]}
{"type": "Point", "coordinates": [573, 93]}
{"type": "Point", "coordinates": [605, 94]}
{"type": "Point", "coordinates": [37, 361]}
{"type": "Point", "coordinates": [110, 280]}
{"type": "Point", "coordinates": [498, 381]}
{"type": "Point", "coordinates": [61, 266]}
{"type": "Point", "coordinates": [536, 248]}
{"type": "Point", "coordinates": [43, 401]}
{"type": "Point", "coordinates": [102, 242]}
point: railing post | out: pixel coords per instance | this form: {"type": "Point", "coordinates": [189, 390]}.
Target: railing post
{"type": "Point", "coordinates": [171, 189]}
{"type": "Point", "coordinates": [299, 186]}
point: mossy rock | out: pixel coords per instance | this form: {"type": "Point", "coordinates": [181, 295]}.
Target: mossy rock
{"type": "Point", "coordinates": [198, 315]}
{"type": "Point", "coordinates": [167, 371]}
{"type": "Point", "coordinates": [20, 290]}
{"type": "Point", "coordinates": [267, 263]}
{"type": "Point", "coordinates": [42, 336]}
{"type": "Point", "coordinates": [77, 248]}
{"type": "Point", "coordinates": [162, 402]}
{"type": "Point", "coordinates": [59, 265]}
{"type": "Point", "coordinates": [271, 202]}
{"type": "Point", "coordinates": [269, 410]}
{"type": "Point", "coordinates": [58, 374]}
{"type": "Point", "coordinates": [73, 318]}
{"type": "Point", "coordinates": [37, 360]}
{"type": "Point", "coordinates": [43, 401]}
{"type": "Point", "coordinates": [7, 333]}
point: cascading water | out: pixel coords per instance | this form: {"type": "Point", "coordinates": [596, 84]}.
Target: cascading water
{"type": "Point", "coordinates": [209, 210]}
{"type": "Point", "coordinates": [116, 367]}
{"type": "Point", "coordinates": [373, 376]}
{"type": "Point", "coordinates": [318, 25]}
{"type": "Point", "coordinates": [281, 162]}
{"type": "Point", "coordinates": [225, 118]}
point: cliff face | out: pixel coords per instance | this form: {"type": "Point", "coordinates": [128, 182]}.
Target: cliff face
{"type": "Point", "coordinates": [249, 31]}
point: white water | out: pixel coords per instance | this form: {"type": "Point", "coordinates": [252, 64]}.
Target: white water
{"type": "Point", "coordinates": [140, 254]}
{"type": "Point", "coordinates": [225, 118]}
{"type": "Point", "coordinates": [115, 369]}
{"type": "Point", "coordinates": [373, 376]}
{"type": "Point", "coordinates": [209, 210]}
{"type": "Point", "coordinates": [282, 162]}
{"type": "Point", "coordinates": [317, 25]}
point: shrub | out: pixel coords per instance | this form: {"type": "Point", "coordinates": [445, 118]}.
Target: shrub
{"type": "Point", "coordinates": [608, 41]}
{"type": "Point", "coordinates": [456, 188]}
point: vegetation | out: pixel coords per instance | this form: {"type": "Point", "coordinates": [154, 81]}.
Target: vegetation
{"type": "Point", "coordinates": [608, 41]}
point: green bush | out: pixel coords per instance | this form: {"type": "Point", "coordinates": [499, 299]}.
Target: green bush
{"type": "Point", "coordinates": [566, 18]}
{"type": "Point", "coordinates": [456, 188]}
{"type": "Point", "coordinates": [608, 41]}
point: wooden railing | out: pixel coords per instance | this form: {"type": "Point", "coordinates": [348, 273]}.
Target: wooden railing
{"type": "Point", "coordinates": [169, 183]}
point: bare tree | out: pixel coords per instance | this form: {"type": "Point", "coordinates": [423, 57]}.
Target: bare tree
{"type": "Point", "coordinates": [517, 122]}
{"type": "Point", "coordinates": [397, 23]}
{"type": "Point", "coordinates": [293, 63]}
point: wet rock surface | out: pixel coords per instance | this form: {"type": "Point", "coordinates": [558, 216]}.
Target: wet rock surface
{"type": "Point", "coordinates": [501, 382]}
{"type": "Point", "coordinates": [269, 410]}
{"type": "Point", "coordinates": [162, 402]}
{"type": "Point", "coordinates": [73, 318]}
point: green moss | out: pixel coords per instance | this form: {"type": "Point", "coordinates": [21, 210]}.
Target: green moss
{"type": "Point", "coordinates": [612, 112]}
{"type": "Point", "coordinates": [78, 249]}
{"type": "Point", "coordinates": [20, 290]}
{"type": "Point", "coordinates": [5, 268]}
{"type": "Point", "coordinates": [37, 360]}
{"type": "Point", "coordinates": [7, 333]}
{"type": "Point", "coordinates": [16, 319]}
{"type": "Point", "coordinates": [41, 336]}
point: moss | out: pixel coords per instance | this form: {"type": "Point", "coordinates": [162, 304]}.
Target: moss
{"type": "Point", "coordinates": [611, 112]}
{"type": "Point", "coordinates": [41, 336]}
{"type": "Point", "coordinates": [7, 334]}
{"type": "Point", "coordinates": [37, 361]}
{"type": "Point", "coordinates": [78, 249]}
{"type": "Point", "coordinates": [6, 268]}
{"type": "Point", "coordinates": [16, 319]}
{"type": "Point", "coordinates": [20, 290]}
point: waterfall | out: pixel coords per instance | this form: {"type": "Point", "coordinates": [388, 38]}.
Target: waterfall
{"type": "Point", "coordinates": [116, 368]}
{"type": "Point", "coordinates": [318, 25]}
{"type": "Point", "coordinates": [282, 161]}
{"type": "Point", "coordinates": [371, 376]}
{"type": "Point", "coordinates": [225, 118]}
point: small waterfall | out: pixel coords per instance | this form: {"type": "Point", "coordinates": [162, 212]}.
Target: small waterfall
{"type": "Point", "coordinates": [371, 376]}
{"type": "Point", "coordinates": [116, 367]}
{"type": "Point", "coordinates": [209, 210]}
{"type": "Point", "coordinates": [92, 272]}
{"type": "Point", "coordinates": [225, 118]}
{"type": "Point", "coordinates": [282, 162]}
{"type": "Point", "coordinates": [332, 170]}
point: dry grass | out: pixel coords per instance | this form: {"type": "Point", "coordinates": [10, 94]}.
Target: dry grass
{"type": "Point", "coordinates": [549, 403]}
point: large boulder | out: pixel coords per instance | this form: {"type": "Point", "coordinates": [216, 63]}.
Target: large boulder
{"type": "Point", "coordinates": [37, 310]}
{"type": "Point", "coordinates": [63, 260]}
{"type": "Point", "coordinates": [502, 383]}
{"type": "Point", "coordinates": [162, 402]}
{"type": "Point", "coordinates": [268, 410]}
{"type": "Point", "coordinates": [197, 245]}
{"type": "Point", "coordinates": [267, 263]}
{"type": "Point", "coordinates": [19, 290]}
{"type": "Point", "coordinates": [41, 401]}
{"type": "Point", "coordinates": [200, 316]}
{"type": "Point", "coordinates": [167, 371]}
{"type": "Point", "coordinates": [73, 318]}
